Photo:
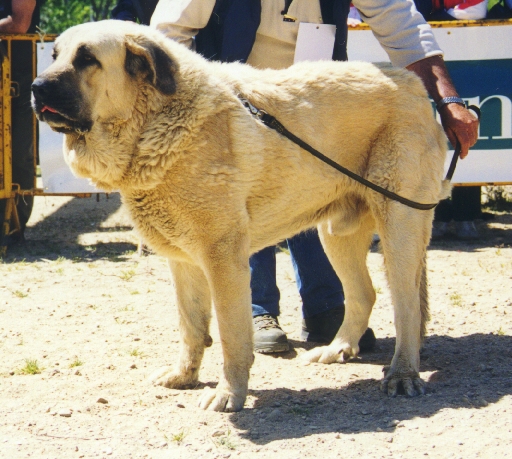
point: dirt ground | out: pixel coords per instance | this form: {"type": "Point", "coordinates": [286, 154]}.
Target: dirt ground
{"type": "Point", "coordinates": [80, 306]}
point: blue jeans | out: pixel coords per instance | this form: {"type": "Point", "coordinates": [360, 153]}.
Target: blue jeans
{"type": "Point", "coordinates": [318, 284]}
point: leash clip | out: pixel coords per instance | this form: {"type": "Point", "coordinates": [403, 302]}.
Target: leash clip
{"type": "Point", "coordinates": [252, 109]}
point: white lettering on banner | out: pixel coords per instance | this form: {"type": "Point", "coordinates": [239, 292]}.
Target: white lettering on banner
{"type": "Point", "coordinates": [506, 116]}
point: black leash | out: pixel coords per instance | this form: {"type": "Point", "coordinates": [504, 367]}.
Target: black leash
{"type": "Point", "coordinates": [271, 122]}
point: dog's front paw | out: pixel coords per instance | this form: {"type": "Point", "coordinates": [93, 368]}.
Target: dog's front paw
{"type": "Point", "coordinates": [221, 400]}
{"type": "Point", "coordinates": [172, 379]}
{"type": "Point", "coordinates": [409, 382]}
{"type": "Point", "coordinates": [334, 353]}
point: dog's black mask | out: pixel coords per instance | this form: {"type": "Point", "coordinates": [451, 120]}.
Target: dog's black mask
{"type": "Point", "coordinates": [57, 101]}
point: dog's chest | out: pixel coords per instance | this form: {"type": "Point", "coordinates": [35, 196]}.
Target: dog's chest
{"type": "Point", "coordinates": [156, 219]}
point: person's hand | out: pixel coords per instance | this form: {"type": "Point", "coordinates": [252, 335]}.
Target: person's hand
{"type": "Point", "coordinates": [21, 17]}
{"type": "Point", "coordinates": [460, 124]}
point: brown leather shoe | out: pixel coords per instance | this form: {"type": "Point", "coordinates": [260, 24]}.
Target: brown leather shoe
{"type": "Point", "coordinates": [269, 338]}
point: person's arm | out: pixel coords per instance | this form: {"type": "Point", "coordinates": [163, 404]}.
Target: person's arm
{"type": "Point", "coordinates": [458, 122]}
{"type": "Point", "coordinates": [400, 29]}
{"type": "Point", "coordinates": [410, 43]}
{"type": "Point", "coordinates": [180, 20]}
{"type": "Point", "coordinates": [19, 21]}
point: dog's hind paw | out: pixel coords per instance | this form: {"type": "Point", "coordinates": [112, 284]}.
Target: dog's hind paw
{"type": "Point", "coordinates": [221, 400]}
{"type": "Point", "coordinates": [329, 354]}
{"type": "Point", "coordinates": [172, 379]}
{"type": "Point", "coordinates": [408, 383]}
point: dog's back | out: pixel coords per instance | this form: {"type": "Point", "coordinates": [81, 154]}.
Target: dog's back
{"type": "Point", "coordinates": [375, 121]}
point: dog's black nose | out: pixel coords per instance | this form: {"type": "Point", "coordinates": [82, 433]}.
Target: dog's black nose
{"type": "Point", "coordinates": [39, 87]}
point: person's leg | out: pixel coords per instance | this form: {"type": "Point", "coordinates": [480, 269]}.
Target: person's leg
{"type": "Point", "coordinates": [444, 211]}
{"type": "Point", "coordinates": [466, 202]}
{"type": "Point", "coordinates": [321, 291]}
{"type": "Point", "coordinates": [265, 294]}
{"type": "Point", "coordinates": [318, 284]}
{"type": "Point", "coordinates": [268, 336]}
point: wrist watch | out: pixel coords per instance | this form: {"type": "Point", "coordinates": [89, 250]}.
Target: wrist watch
{"type": "Point", "coordinates": [450, 100]}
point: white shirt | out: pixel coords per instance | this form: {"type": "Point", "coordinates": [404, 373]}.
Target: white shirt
{"type": "Point", "coordinates": [399, 27]}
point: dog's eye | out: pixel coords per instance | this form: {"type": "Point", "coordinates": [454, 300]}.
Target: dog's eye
{"type": "Point", "coordinates": [84, 60]}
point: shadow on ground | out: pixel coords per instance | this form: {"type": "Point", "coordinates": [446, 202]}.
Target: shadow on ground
{"type": "Point", "coordinates": [57, 235]}
{"type": "Point", "coordinates": [492, 234]}
{"type": "Point", "coordinates": [467, 373]}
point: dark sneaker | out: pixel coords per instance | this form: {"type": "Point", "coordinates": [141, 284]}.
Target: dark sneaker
{"type": "Point", "coordinates": [268, 336]}
{"type": "Point", "coordinates": [367, 341]}
{"type": "Point", "coordinates": [322, 328]}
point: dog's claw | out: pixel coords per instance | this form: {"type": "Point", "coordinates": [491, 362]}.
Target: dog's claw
{"type": "Point", "coordinates": [329, 354]}
{"type": "Point", "coordinates": [411, 383]}
{"type": "Point", "coordinates": [220, 400]}
{"type": "Point", "coordinates": [170, 378]}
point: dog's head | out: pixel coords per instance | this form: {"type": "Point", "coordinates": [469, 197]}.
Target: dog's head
{"type": "Point", "coordinates": [96, 75]}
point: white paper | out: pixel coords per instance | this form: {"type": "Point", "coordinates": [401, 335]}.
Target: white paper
{"type": "Point", "coordinates": [315, 42]}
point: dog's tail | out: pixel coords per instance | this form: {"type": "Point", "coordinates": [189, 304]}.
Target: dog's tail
{"type": "Point", "coordinates": [446, 190]}
{"type": "Point", "coordinates": [424, 307]}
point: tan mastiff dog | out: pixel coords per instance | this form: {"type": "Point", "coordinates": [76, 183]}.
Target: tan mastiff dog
{"type": "Point", "coordinates": [207, 184]}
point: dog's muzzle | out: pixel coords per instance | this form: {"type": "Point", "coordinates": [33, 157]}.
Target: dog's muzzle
{"type": "Point", "coordinates": [56, 104]}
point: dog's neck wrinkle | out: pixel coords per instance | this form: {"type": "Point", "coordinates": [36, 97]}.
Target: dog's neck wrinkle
{"type": "Point", "coordinates": [94, 160]}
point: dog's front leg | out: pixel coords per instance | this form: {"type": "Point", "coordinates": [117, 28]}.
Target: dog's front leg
{"type": "Point", "coordinates": [194, 305]}
{"type": "Point", "coordinates": [227, 269]}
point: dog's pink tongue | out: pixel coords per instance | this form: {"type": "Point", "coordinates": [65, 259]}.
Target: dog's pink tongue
{"type": "Point", "coordinates": [50, 109]}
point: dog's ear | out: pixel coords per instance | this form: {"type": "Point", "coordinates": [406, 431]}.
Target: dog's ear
{"type": "Point", "coordinates": [150, 61]}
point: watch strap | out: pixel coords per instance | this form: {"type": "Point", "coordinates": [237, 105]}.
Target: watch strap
{"type": "Point", "coordinates": [450, 100]}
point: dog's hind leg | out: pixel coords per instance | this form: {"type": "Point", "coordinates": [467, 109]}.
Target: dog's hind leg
{"type": "Point", "coordinates": [347, 254]}
{"type": "Point", "coordinates": [194, 306]}
{"type": "Point", "coordinates": [404, 241]}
